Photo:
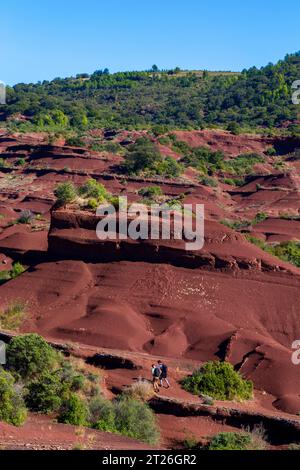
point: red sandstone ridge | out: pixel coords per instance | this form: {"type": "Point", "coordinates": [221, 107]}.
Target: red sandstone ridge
{"type": "Point", "coordinates": [73, 235]}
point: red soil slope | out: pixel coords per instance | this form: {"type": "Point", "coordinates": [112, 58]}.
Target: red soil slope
{"type": "Point", "coordinates": [41, 433]}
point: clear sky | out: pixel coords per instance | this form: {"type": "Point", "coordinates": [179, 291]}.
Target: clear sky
{"type": "Point", "coordinates": [44, 39]}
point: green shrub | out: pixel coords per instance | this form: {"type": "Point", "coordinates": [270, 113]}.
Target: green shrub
{"type": "Point", "coordinates": [21, 162]}
{"type": "Point", "coordinates": [260, 217]}
{"type": "Point", "coordinates": [236, 224]}
{"type": "Point", "coordinates": [65, 193]}
{"type": "Point", "coordinates": [70, 377]}
{"type": "Point", "coordinates": [168, 168]}
{"type": "Point", "coordinates": [12, 316]}
{"type": "Point", "coordinates": [78, 383]}
{"type": "Point", "coordinates": [17, 270]}
{"type": "Point", "coordinates": [190, 442]}
{"type": "Point", "coordinates": [234, 181]}
{"type": "Point", "coordinates": [4, 163]}
{"type": "Point", "coordinates": [102, 414]}
{"type": "Point", "coordinates": [220, 381]}
{"type": "Point", "coordinates": [93, 190]}
{"type": "Point", "coordinates": [256, 241]}
{"type": "Point", "coordinates": [206, 181]}
{"type": "Point", "coordinates": [150, 192]}
{"type": "Point", "coordinates": [30, 355]}
{"type": "Point", "coordinates": [75, 142]}
{"type": "Point", "coordinates": [73, 411]}
{"type": "Point", "coordinates": [271, 151]}
{"type": "Point", "coordinates": [12, 408]}
{"type": "Point", "coordinates": [135, 419]}
{"type": "Point", "coordinates": [286, 251]}
{"type": "Point", "coordinates": [234, 128]}
{"type": "Point", "coordinates": [114, 200]}
{"type": "Point", "coordinates": [44, 393]}
{"type": "Point", "coordinates": [4, 276]}
{"type": "Point", "coordinates": [230, 441]}
{"type": "Point", "coordinates": [142, 155]}
{"type": "Point", "coordinates": [229, 181]}
{"type": "Point", "coordinates": [92, 204]}
{"type": "Point", "coordinates": [238, 441]}
{"type": "Point", "coordinates": [26, 217]}
{"type": "Point", "coordinates": [243, 164]}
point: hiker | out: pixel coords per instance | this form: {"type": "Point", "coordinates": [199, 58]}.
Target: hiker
{"type": "Point", "coordinates": [155, 377]}
{"type": "Point", "coordinates": [163, 374]}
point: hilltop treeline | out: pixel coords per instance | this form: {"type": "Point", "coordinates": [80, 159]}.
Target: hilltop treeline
{"type": "Point", "coordinates": [255, 98]}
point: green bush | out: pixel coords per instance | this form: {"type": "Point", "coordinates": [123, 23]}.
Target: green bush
{"type": "Point", "coordinates": [168, 168]}
{"type": "Point", "coordinates": [144, 157]}
{"type": "Point", "coordinates": [141, 156]}
{"type": "Point", "coordinates": [135, 419]}
{"type": "Point", "coordinates": [234, 128]}
{"type": "Point", "coordinates": [44, 393]}
{"type": "Point", "coordinates": [102, 414]}
{"type": "Point", "coordinates": [243, 164]}
{"type": "Point", "coordinates": [151, 192]}
{"type": "Point", "coordinates": [12, 409]}
{"type": "Point", "coordinates": [12, 316]}
{"type": "Point", "coordinates": [65, 193]}
{"type": "Point", "coordinates": [71, 378]}
{"type": "Point", "coordinates": [4, 163]}
{"type": "Point", "coordinates": [73, 411]}
{"type": "Point", "coordinates": [230, 441]}
{"type": "Point", "coordinates": [229, 181]}
{"type": "Point", "coordinates": [75, 142]}
{"type": "Point", "coordinates": [93, 190]}
{"type": "Point", "coordinates": [236, 224]}
{"type": "Point", "coordinates": [78, 383]}
{"type": "Point", "coordinates": [271, 151]}
{"type": "Point", "coordinates": [26, 217]}
{"type": "Point", "coordinates": [244, 440]}
{"type": "Point", "coordinates": [92, 204]}
{"type": "Point", "coordinates": [17, 270]}
{"type": "Point", "coordinates": [220, 381]}
{"type": "Point", "coordinates": [21, 162]}
{"type": "Point", "coordinates": [260, 217]}
{"type": "Point", "coordinates": [286, 251]}
{"type": "Point", "coordinates": [30, 355]}
{"type": "Point", "coordinates": [206, 181]}
{"type": "Point", "coordinates": [4, 276]}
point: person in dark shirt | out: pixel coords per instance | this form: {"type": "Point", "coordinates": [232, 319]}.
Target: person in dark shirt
{"type": "Point", "coordinates": [156, 372]}
{"type": "Point", "coordinates": [163, 374]}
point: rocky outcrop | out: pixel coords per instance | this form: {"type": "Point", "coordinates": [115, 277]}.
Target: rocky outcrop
{"type": "Point", "coordinates": [73, 235]}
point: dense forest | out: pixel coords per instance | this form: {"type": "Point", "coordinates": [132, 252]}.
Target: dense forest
{"type": "Point", "coordinates": [252, 99]}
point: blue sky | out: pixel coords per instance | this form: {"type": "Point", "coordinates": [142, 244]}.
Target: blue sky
{"type": "Point", "coordinates": [44, 39]}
